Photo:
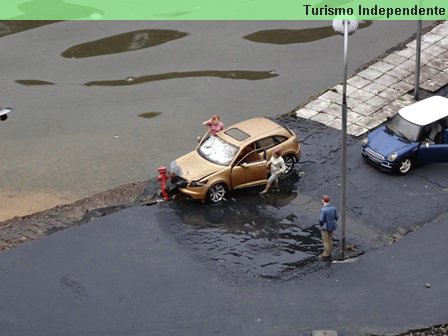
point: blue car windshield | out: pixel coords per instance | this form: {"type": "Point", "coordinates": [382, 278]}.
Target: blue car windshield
{"type": "Point", "coordinates": [404, 128]}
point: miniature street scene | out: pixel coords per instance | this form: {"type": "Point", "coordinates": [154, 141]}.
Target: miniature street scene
{"type": "Point", "coordinates": [157, 183]}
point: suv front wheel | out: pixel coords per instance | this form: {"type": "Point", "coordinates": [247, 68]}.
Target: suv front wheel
{"type": "Point", "coordinates": [216, 193]}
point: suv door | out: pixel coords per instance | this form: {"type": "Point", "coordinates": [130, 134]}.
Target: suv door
{"type": "Point", "coordinates": [250, 170]}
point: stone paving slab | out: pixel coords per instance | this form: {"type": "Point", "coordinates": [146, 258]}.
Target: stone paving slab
{"type": "Point", "coordinates": [380, 90]}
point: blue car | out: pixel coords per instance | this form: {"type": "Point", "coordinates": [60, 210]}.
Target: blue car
{"type": "Point", "coordinates": [417, 134]}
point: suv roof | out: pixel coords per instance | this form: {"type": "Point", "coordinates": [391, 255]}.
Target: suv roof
{"type": "Point", "coordinates": [426, 111]}
{"type": "Point", "coordinates": [254, 127]}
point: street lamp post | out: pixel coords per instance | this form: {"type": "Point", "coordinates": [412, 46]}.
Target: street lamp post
{"type": "Point", "coordinates": [418, 50]}
{"type": "Point", "coordinates": [346, 28]}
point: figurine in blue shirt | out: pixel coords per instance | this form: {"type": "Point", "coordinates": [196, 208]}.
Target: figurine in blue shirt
{"type": "Point", "coordinates": [327, 221]}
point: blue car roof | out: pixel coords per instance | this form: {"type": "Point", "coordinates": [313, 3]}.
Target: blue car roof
{"type": "Point", "coordinates": [426, 111]}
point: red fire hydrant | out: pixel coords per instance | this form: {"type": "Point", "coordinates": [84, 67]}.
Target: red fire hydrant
{"type": "Point", "coordinates": [162, 178]}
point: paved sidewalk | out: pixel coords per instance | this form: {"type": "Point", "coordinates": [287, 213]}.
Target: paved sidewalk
{"type": "Point", "coordinates": [380, 90]}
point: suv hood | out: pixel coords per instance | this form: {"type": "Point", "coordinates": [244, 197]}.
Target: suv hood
{"type": "Point", "coordinates": [193, 167]}
{"type": "Point", "coordinates": [385, 142]}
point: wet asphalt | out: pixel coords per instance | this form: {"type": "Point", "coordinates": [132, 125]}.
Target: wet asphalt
{"type": "Point", "coordinates": [247, 266]}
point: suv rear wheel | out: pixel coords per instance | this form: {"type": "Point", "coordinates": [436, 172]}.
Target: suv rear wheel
{"type": "Point", "coordinates": [290, 160]}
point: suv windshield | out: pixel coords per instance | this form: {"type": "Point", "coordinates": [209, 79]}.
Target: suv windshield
{"type": "Point", "coordinates": [216, 150]}
{"type": "Point", "coordinates": [404, 128]}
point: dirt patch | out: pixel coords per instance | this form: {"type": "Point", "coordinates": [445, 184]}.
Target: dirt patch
{"type": "Point", "coordinates": [22, 229]}
{"type": "Point", "coordinates": [15, 204]}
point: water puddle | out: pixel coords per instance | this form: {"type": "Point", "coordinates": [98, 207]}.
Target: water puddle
{"type": "Point", "coordinates": [17, 26]}
{"type": "Point", "coordinates": [249, 236]}
{"type": "Point", "coordinates": [135, 40]}
{"type": "Point", "coordinates": [231, 74]}
{"type": "Point", "coordinates": [291, 36]}
{"type": "Point", "coordinates": [30, 82]}
{"type": "Point", "coordinates": [149, 115]}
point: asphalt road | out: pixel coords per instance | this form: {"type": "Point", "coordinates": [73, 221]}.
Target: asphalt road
{"type": "Point", "coordinates": [247, 266]}
{"type": "Point", "coordinates": [66, 140]}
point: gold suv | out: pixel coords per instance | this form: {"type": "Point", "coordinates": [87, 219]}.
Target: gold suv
{"type": "Point", "coordinates": [234, 158]}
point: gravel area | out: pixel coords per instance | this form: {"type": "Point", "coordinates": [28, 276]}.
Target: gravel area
{"type": "Point", "coordinates": [441, 330]}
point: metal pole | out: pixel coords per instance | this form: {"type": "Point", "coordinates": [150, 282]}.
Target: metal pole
{"type": "Point", "coordinates": [344, 143]}
{"type": "Point", "coordinates": [417, 60]}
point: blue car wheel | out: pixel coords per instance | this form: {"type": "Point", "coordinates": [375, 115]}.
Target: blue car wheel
{"type": "Point", "coordinates": [405, 166]}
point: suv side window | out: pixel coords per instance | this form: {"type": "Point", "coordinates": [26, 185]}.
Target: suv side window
{"type": "Point", "coordinates": [279, 139]}
{"type": "Point", "coordinates": [270, 141]}
{"type": "Point", "coordinates": [248, 154]}
{"type": "Point", "coordinates": [266, 142]}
